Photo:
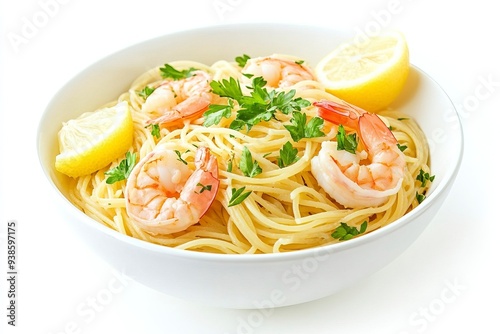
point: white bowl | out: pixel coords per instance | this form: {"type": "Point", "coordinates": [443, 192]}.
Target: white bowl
{"type": "Point", "coordinates": [249, 281]}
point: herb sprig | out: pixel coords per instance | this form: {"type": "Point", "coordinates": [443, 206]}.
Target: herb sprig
{"type": "Point", "coordinates": [123, 170]}
{"type": "Point", "coordinates": [146, 91]}
{"type": "Point", "coordinates": [346, 142]}
{"type": "Point", "coordinates": [155, 130]}
{"type": "Point", "coordinates": [168, 71]}
{"type": "Point", "coordinates": [238, 196]}
{"type": "Point", "coordinates": [346, 232]}
{"type": "Point", "coordinates": [242, 60]}
{"type": "Point", "coordinates": [248, 166]}
{"type": "Point", "coordinates": [261, 105]}
{"type": "Point", "coordinates": [423, 177]}
{"type": "Point", "coordinates": [300, 128]}
{"type": "Point", "coordinates": [288, 155]}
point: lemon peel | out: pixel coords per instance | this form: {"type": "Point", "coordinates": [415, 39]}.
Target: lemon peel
{"type": "Point", "coordinates": [94, 140]}
{"type": "Point", "coordinates": [369, 74]}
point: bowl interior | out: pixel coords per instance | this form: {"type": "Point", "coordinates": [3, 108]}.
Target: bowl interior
{"type": "Point", "coordinates": [103, 81]}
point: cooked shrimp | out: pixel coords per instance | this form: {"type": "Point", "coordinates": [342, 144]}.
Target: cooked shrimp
{"type": "Point", "coordinates": [164, 196]}
{"type": "Point", "coordinates": [175, 101]}
{"type": "Point", "coordinates": [345, 176]}
{"type": "Point", "coordinates": [278, 71]}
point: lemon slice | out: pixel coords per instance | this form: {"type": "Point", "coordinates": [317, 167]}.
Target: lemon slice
{"type": "Point", "coordinates": [95, 139]}
{"type": "Point", "coordinates": [370, 73]}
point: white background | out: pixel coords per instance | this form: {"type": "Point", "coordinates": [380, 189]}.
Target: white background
{"type": "Point", "coordinates": [446, 282]}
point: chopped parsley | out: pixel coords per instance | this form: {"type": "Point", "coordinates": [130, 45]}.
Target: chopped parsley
{"type": "Point", "coordinates": [260, 105]}
{"type": "Point", "coordinates": [216, 112]}
{"type": "Point", "coordinates": [300, 128]}
{"type": "Point", "coordinates": [146, 91]}
{"type": "Point", "coordinates": [288, 155]}
{"type": "Point", "coordinates": [155, 130]}
{"type": "Point", "coordinates": [346, 142]}
{"type": "Point", "coordinates": [203, 187]}
{"type": "Point", "coordinates": [242, 60]}
{"type": "Point", "coordinates": [167, 71]}
{"type": "Point", "coordinates": [123, 170]}
{"type": "Point", "coordinates": [420, 197]}
{"type": "Point", "coordinates": [346, 232]}
{"type": "Point", "coordinates": [423, 177]}
{"type": "Point", "coordinates": [238, 196]}
{"type": "Point", "coordinates": [179, 157]}
{"type": "Point", "coordinates": [247, 166]}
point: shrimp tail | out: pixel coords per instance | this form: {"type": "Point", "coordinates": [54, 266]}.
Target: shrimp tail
{"type": "Point", "coordinates": [339, 112]}
{"type": "Point", "coordinates": [372, 130]}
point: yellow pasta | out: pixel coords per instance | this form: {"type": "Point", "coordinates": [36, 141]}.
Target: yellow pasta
{"type": "Point", "coordinates": [287, 210]}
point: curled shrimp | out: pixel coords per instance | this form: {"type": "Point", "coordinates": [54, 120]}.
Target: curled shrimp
{"type": "Point", "coordinates": [164, 196]}
{"type": "Point", "coordinates": [175, 101]}
{"type": "Point", "coordinates": [278, 71]}
{"type": "Point", "coordinates": [366, 178]}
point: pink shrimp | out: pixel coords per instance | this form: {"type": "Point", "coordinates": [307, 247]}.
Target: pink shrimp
{"type": "Point", "coordinates": [278, 71]}
{"type": "Point", "coordinates": [175, 101]}
{"type": "Point", "coordinates": [342, 175]}
{"type": "Point", "coordinates": [164, 196]}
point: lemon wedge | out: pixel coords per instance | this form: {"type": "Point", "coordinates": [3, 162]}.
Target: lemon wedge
{"type": "Point", "coordinates": [368, 73]}
{"type": "Point", "coordinates": [94, 140]}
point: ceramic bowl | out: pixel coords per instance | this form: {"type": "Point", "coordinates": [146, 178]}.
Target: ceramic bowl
{"type": "Point", "coordinates": [249, 281]}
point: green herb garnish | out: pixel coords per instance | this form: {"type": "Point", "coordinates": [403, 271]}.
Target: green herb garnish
{"type": "Point", "coordinates": [260, 105]}
{"type": "Point", "coordinates": [179, 157]}
{"type": "Point", "coordinates": [167, 71]}
{"type": "Point", "coordinates": [146, 91]}
{"type": "Point", "coordinates": [300, 128]}
{"type": "Point", "coordinates": [238, 196]}
{"type": "Point", "coordinates": [346, 142]}
{"type": "Point", "coordinates": [155, 130]}
{"type": "Point", "coordinates": [346, 232]}
{"type": "Point", "coordinates": [123, 170]}
{"type": "Point", "coordinates": [242, 60]}
{"type": "Point", "coordinates": [423, 177]}
{"type": "Point", "coordinates": [203, 187]}
{"type": "Point", "coordinates": [248, 166]}
{"type": "Point", "coordinates": [288, 155]}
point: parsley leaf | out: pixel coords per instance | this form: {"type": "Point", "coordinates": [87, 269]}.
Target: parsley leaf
{"type": "Point", "coordinates": [288, 155]}
{"type": "Point", "coordinates": [146, 91]}
{"type": "Point", "coordinates": [300, 128]}
{"type": "Point", "coordinates": [247, 166]}
{"type": "Point", "coordinates": [346, 232]}
{"type": "Point", "coordinates": [216, 112]}
{"type": "Point", "coordinates": [424, 177]}
{"type": "Point", "coordinates": [179, 157]}
{"type": "Point", "coordinates": [242, 60]}
{"type": "Point", "coordinates": [203, 187]}
{"type": "Point", "coordinates": [155, 130]}
{"type": "Point", "coordinates": [420, 197]}
{"type": "Point", "coordinates": [123, 170]}
{"type": "Point", "coordinates": [402, 147]}
{"type": "Point", "coordinates": [167, 71]}
{"type": "Point", "coordinates": [238, 196]}
{"type": "Point", "coordinates": [345, 142]}
{"type": "Point", "coordinates": [227, 88]}
{"type": "Point", "coordinates": [260, 105]}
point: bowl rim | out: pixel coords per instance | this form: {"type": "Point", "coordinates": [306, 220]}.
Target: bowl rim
{"type": "Point", "coordinates": [436, 193]}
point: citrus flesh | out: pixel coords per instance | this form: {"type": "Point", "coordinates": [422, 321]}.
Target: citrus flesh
{"type": "Point", "coordinates": [369, 73]}
{"type": "Point", "coordinates": [94, 140]}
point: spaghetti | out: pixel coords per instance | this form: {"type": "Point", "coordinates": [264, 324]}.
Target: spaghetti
{"type": "Point", "coordinates": [286, 210]}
